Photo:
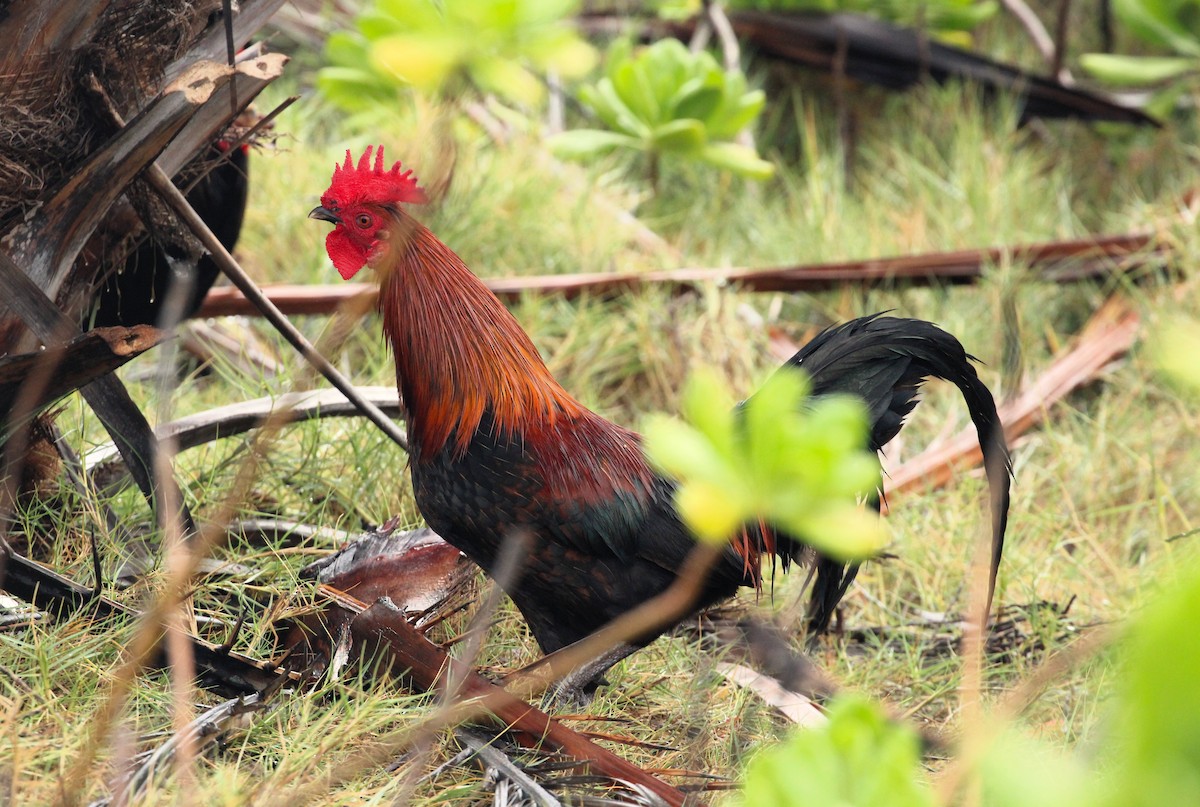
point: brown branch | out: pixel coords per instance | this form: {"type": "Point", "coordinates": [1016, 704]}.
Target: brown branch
{"type": "Point", "coordinates": [1056, 261]}
{"type": "Point", "coordinates": [85, 358]}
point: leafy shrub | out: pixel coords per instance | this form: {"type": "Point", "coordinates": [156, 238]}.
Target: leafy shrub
{"type": "Point", "coordinates": [664, 99]}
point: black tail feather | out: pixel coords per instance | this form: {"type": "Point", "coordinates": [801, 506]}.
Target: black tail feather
{"type": "Point", "coordinates": [884, 361]}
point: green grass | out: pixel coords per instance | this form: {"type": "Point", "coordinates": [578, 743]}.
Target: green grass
{"type": "Point", "coordinates": [1100, 485]}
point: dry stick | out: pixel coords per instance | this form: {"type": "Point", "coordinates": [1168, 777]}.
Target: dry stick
{"type": "Point", "coordinates": [1057, 261]}
{"type": "Point", "coordinates": [1060, 37]}
{"type": "Point", "coordinates": [180, 620]}
{"type": "Point", "coordinates": [1040, 36]}
{"type": "Point", "coordinates": [730, 52]}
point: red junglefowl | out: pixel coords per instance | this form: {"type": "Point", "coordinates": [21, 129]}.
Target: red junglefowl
{"type": "Point", "coordinates": [498, 447]}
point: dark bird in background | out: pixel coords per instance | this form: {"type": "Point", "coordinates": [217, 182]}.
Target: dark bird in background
{"type": "Point", "coordinates": [499, 447]}
{"type": "Point", "coordinates": [134, 295]}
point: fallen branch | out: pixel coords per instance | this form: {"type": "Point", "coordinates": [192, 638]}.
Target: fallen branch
{"type": "Point", "coordinates": [238, 418]}
{"type": "Point", "coordinates": [85, 358]}
{"type": "Point", "coordinates": [1055, 261]}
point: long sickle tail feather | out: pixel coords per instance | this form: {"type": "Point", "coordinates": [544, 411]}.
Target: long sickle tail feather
{"type": "Point", "coordinates": [884, 361]}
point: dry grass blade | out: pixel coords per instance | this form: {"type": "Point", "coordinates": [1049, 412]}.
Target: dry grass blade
{"type": "Point", "coordinates": [794, 706]}
{"type": "Point", "coordinates": [205, 730]}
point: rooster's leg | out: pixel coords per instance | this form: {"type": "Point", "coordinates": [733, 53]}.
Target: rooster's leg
{"type": "Point", "coordinates": [577, 688]}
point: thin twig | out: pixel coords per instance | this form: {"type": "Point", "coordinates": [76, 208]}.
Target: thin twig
{"type": "Point", "coordinates": [1040, 36]}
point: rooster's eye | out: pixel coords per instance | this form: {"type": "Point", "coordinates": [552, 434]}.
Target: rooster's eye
{"type": "Point", "coordinates": [363, 220]}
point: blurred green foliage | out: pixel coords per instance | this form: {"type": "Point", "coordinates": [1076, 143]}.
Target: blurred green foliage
{"type": "Point", "coordinates": [1170, 25]}
{"type": "Point", "coordinates": [796, 464]}
{"type": "Point", "coordinates": [860, 759]}
{"type": "Point", "coordinates": [438, 48]}
{"type": "Point", "coordinates": [663, 99]}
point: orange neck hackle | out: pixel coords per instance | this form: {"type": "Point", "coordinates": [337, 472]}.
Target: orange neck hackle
{"type": "Point", "coordinates": [459, 352]}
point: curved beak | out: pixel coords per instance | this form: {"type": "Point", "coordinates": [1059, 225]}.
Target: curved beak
{"type": "Point", "coordinates": [324, 214]}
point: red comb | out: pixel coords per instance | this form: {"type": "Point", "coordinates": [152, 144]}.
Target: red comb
{"type": "Point", "coordinates": [371, 183]}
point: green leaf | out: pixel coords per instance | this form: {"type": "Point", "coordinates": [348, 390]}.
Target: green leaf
{"type": "Point", "coordinates": [507, 78]}
{"type": "Point", "coordinates": [432, 45]}
{"type": "Point", "coordinates": [679, 137]}
{"type": "Point", "coordinates": [846, 532]}
{"type": "Point", "coordinates": [631, 85]}
{"type": "Point", "coordinates": [682, 451]}
{"type": "Point", "coordinates": [738, 159]}
{"type": "Point", "coordinates": [767, 413]}
{"type": "Point", "coordinates": [859, 759]}
{"type": "Point", "coordinates": [1137, 70]}
{"type": "Point", "coordinates": [582, 143]}
{"type": "Point", "coordinates": [424, 61]}
{"type": "Point", "coordinates": [709, 407]}
{"type": "Point", "coordinates": [1157, 705]}
{"type": "Point", "coordinates": [697, 98]}
{"type": "Point", "coordinates": [736, 114]}
{"type": "Point", "coordinates": [1173, 23]}
{"type": "Point", "coordinates": [613, 110]}
{"type": "Point", "coordinates": [1174, 347]}
{"type": "Point", "coordinates": [712, 512]}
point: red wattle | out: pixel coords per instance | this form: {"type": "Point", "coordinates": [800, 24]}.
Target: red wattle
{"type": "Point", "coordinates": [347, 257]}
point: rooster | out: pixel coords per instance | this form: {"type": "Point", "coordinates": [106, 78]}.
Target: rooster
{"type": "Point", "coordinates": [498, 447]}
